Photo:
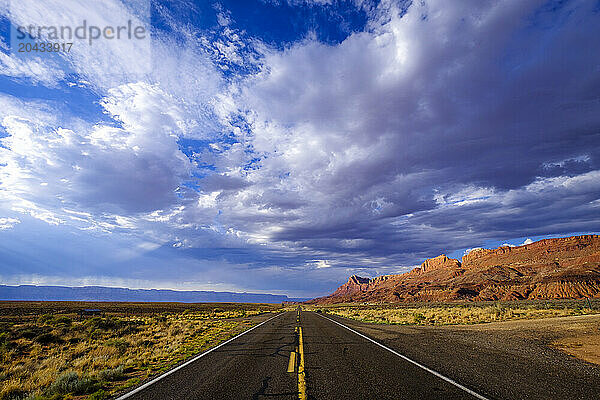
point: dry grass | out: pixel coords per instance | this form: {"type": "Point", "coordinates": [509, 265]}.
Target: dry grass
{"type": "Point", "coordinates": [456, 314]}
{"type": "Point", "coordinates": [55, 356]}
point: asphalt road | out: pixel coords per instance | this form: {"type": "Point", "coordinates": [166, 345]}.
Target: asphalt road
{"type": "Point", "coordinates": [343, 365]}
{"type": "Point", "coordinates": [339, 364]}
{"type": "Point", "coordinates": [252, 366]}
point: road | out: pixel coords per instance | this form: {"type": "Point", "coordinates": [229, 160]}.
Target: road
{"type": "Point", "coordinates": [339, 364]}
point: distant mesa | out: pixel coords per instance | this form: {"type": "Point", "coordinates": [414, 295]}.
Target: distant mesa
{"type": "Point", "coordinates": [562, 268]}
{"type": "Point", "coordinates": [101, 293]}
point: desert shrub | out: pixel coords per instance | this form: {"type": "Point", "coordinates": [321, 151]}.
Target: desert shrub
{"type": "Point", "coordinates": [54, 396]}
{"type": "Point", "coordinates": [5, 343]}
{"type": "Point", "coordinates": [45, 319]}
{"type": "Point", "coordinates": [98, 395]}
{"type": "Point", "coordinates": [110, 375]}
{"type": "Point", "coordinates": [174, 330]}
{"type": "Point", "coordinates": [71, 382]}
{"type": "Point", "coordinates": [47, 338]}
{"type": "Point", "coordinates": [30, 331]}
{"type": "Point", "coordinates": [98, 325]}
{"type": "Point", "coordinates": [120, 344]}
{"type": "Point", "coordinates": [419, 317]}
{"type": "Point", "coordinates": [129, 328]}
{"type": "Point", "coordinates": [103, 323]}
{"type": "Point", "coordinates": [61, 320]}
{"type": "Point", "coordinates": [94, 323]}
{"type": "Point", "coordinates": [12, 392]}
{"type": "Point", "coordinates": [96, 334]}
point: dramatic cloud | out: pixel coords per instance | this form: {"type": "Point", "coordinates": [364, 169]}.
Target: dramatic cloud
{"type": "Point", "coordinates": [258, 165]}
{"type": "Point", "coordinates": [436, 112]}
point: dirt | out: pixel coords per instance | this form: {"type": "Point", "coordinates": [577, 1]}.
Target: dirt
{"type": "Point", "coordinates": [581, 341]}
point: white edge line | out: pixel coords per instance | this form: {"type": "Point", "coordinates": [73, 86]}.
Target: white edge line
{"type": "Point", "coordinates": [458, 385]}
{"type": "Point", "coordinates": [169, 372]}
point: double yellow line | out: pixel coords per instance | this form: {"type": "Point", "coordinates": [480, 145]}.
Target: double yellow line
{"type": "Point", "coordinates": [297, 360]}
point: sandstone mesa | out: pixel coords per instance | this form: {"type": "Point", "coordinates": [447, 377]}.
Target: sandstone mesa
{"type": "Point", "coordinates": [547, 269]}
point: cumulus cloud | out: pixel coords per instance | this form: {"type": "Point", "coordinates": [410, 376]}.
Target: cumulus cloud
{"type": "Point", "coordinates": [127, 164]}
{"type": "Point", "coordinates": [7, 223]}
{"type": "Point", "coordinates": [36, 69]}
{"type": "Point", "coordinates": [133, 168]}
{"type": "Point", "coordinates": [467, 251]}
{"type": "Point", "coordinates": [320, 264]}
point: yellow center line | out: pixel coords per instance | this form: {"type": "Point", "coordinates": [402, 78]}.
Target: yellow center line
{"type": "Point", "coordinates": [293, 359]}
{"type": "Point", "coordinates": [301, 374]}
{"type": "Point", "coordinates": [296, 362]}
{"type": "Point", "coordinates": [292, 363]}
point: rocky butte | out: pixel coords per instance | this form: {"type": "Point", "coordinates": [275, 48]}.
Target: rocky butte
{"type": "Point", "coordinates": [547, 269]}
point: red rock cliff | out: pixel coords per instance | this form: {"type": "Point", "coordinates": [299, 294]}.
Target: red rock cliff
{"type": "Point", "coordinates": [547, 269]}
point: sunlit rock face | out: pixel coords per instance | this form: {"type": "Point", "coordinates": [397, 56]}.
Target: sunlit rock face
{"type": "Point", "coordinates": [548, 269]}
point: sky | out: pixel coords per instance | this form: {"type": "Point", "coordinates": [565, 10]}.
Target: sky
{"type": "Point", "coordinates": [279, 146]}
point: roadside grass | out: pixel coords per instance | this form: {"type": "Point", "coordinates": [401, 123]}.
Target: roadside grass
{"type": "Point", "coordinates": [57, 357]}
{"type": "Point", "coordinates": [456, 314]}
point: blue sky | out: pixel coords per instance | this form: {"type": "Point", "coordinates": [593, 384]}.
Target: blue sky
{"type": "Point", "coordinates": [281, 146]}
